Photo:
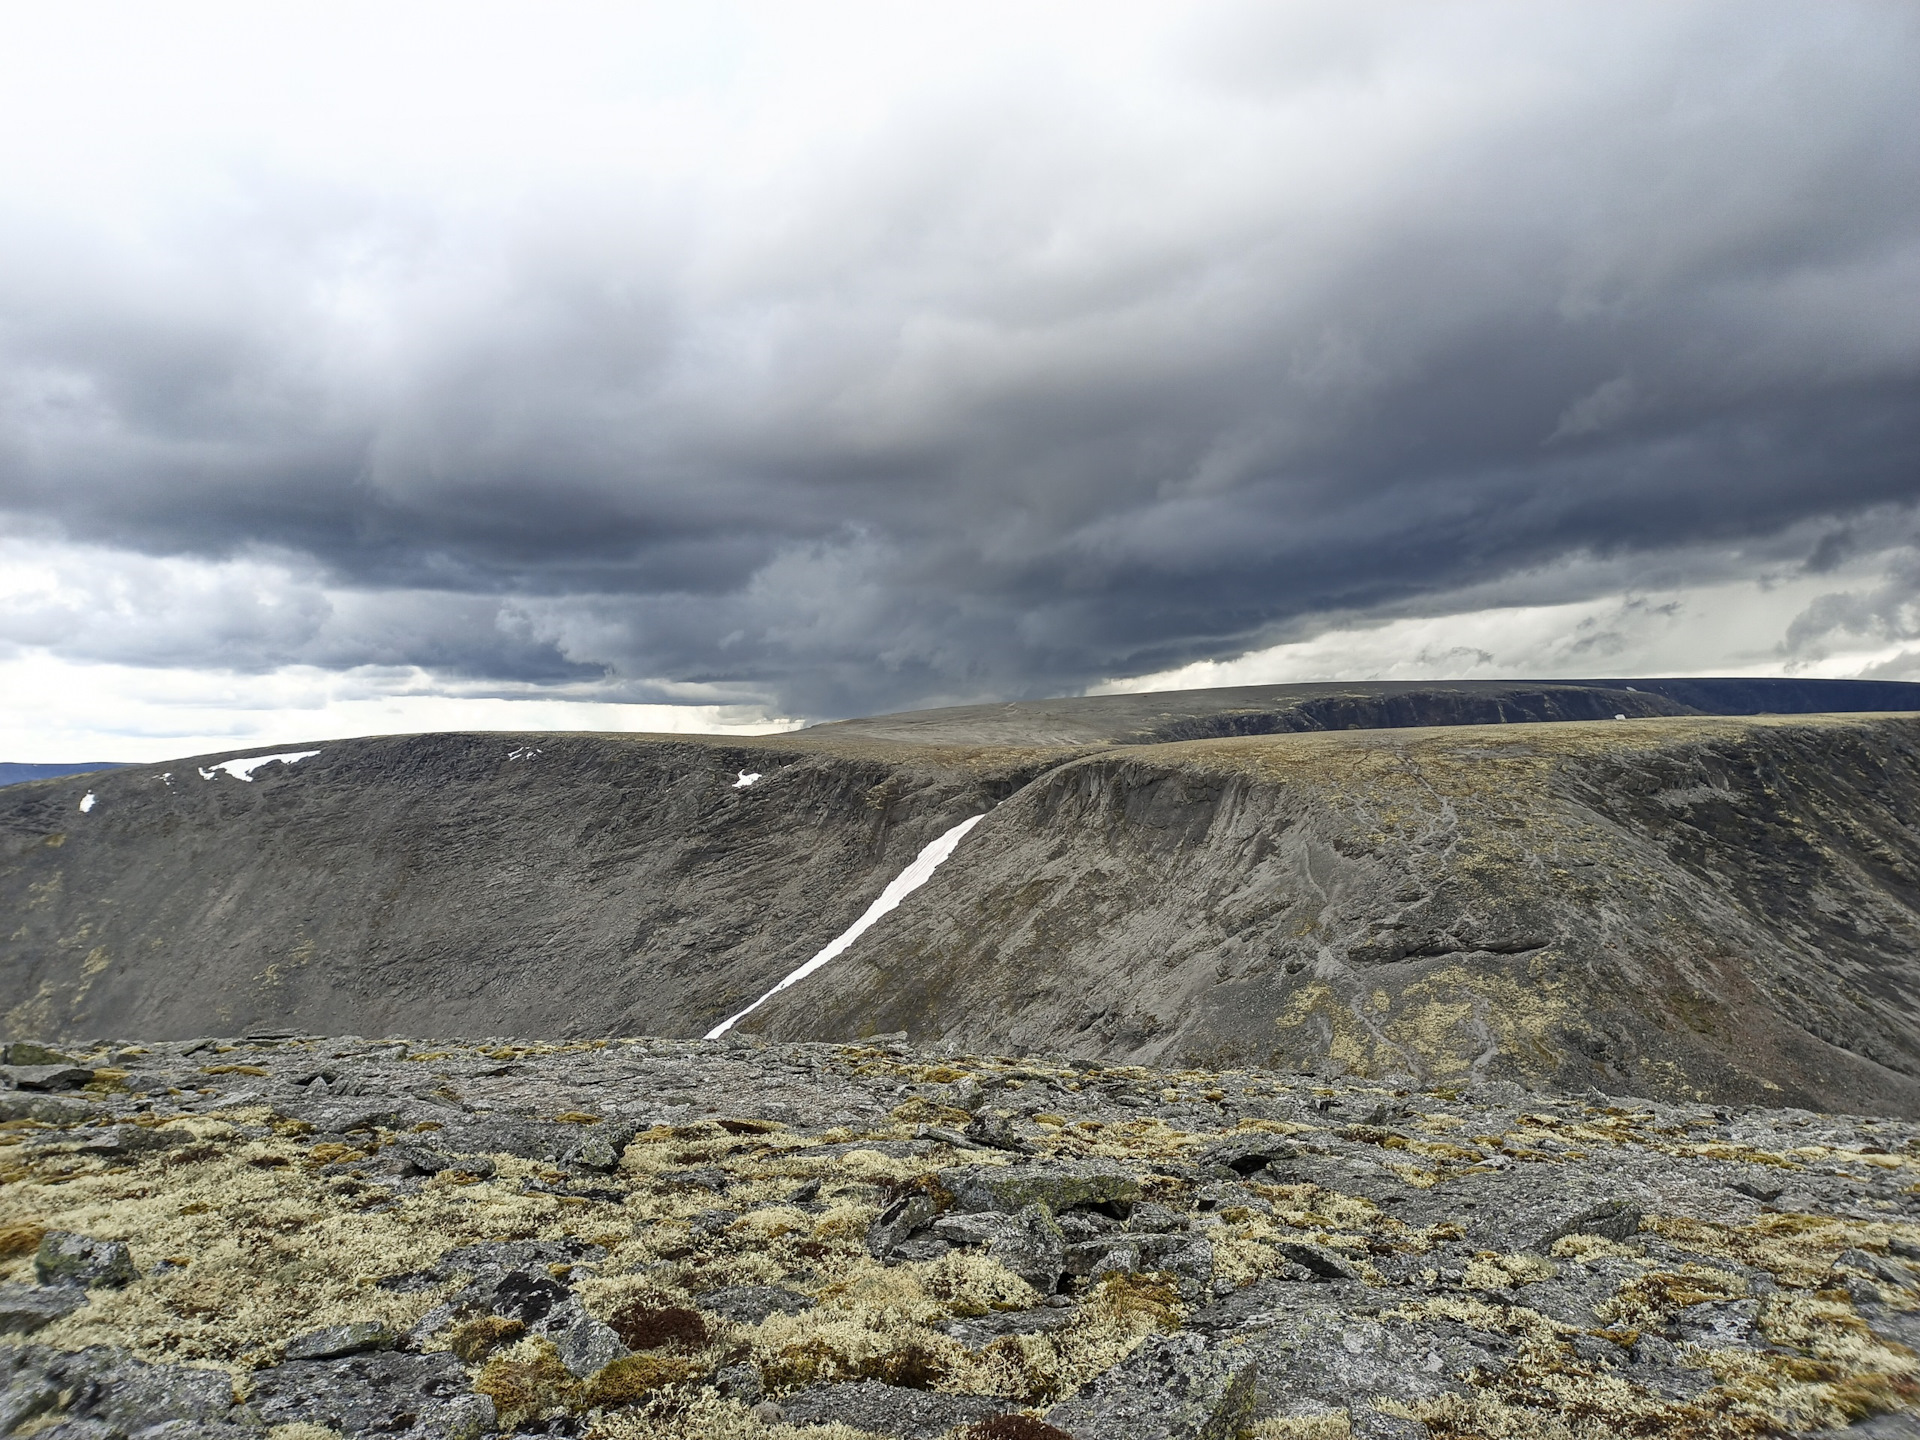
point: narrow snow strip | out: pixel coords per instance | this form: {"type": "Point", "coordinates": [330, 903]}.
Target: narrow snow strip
{"type": "Point", "coordinates": [243, 769]}
{"type": "Point", "coordinates": [746, 779]}
{"type": "Point", "coordinates": [904, 884]}
{"type": "Point", "coordinates": [87, 804]}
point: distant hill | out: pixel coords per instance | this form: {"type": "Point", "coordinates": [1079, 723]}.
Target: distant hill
{"type": "Point", "coordinates": [1419, 883]}
{"type": "Point", "coordinates": [12, 773]}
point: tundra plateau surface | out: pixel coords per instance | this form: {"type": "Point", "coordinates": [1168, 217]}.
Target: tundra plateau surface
{"type": "Point", "coordinates": [311, 1239]}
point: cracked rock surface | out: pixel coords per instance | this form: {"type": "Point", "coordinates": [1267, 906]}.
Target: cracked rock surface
{"type": "Point", "coordinates": [310, 1237]}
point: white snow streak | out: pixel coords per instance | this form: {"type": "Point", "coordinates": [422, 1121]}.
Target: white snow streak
{"type": "Point", "coordinates": [87, 804]}
{"type": "Point", "coordinates": [746, 779]}
{"type": "Point", "coordinates": [904, 884]}
{"type": "Point", "coordinates": [243, 769]}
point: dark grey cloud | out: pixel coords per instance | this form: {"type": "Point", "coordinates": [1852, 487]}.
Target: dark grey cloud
{"type": "Point", "coordinates": [1040, 382]}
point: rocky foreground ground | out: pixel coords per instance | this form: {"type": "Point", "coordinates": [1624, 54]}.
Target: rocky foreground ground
{"type": "Point", "coordinates": [304, 1237]}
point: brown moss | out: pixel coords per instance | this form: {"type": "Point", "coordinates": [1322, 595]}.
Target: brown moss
{"type": "Point", "coordinates": [648, 1327]}
{"type": "Point", "coordinates": [526, 1383]}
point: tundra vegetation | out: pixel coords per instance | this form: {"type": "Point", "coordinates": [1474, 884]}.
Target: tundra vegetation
{"type": "Point", "coordinates": [305, 1237]}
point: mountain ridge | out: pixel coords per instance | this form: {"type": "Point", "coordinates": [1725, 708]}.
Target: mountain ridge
{"type": "Point", "coordinates": [1677, 905]}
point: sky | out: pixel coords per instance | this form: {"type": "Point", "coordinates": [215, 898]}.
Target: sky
{"type": "Point", "coordinates": [368, 368]}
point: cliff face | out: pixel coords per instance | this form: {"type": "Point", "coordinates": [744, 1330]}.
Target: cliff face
{"type": "Point", "coordinates": [1686, 907]}
{"type": "Point", "coordinates": [1679, 906]}
{"type": "Point", "coordinates": [464, 883]}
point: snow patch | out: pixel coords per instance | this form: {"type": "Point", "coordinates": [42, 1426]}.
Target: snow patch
{"type": "Point", "coordinates": [87, 803]}
{"type": "Point", "coordinates": [243, 769]}
{"type": "Point", "coordinates": [904, 884]}
{"type": "Point", "coordinates": [746, 778]}
{"type": "Point", "coordinates": [525, 752]}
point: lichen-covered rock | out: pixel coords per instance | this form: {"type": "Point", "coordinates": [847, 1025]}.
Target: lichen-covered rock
{"type": "Point", "coordinates": [1032, 1247]}
{"type": "Point", "coordinates": [105, 1392]}
{"type": "Point", "coordinates": [1059, 1186]}
{"type": "Point", "coordinates": [68, 1259]}
{"type": "Point", "coordinates": [26, 1308]}
{"type": "Point", "coordinates": [750, 1304]}
{"type": "Point", "coordinates": [1174, 1387]}
{"type": "Point", "coordinates": [354, 1338]}
{"type": "Point", "coordinates": [586, 1345]}
{"type": "Point", "coordinates": [383, 1392]}
{"type": "Point", "coordinates": [887, 1409]}
{"type": "Point", "coordinates": [895, 1225]}
{"type": "Point", "coordinates": [47, 1077]}
{"type": "Point", "coordinates": [31, 1052]}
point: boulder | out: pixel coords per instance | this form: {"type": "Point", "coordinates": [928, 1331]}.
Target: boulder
{"type": "Point", "coordinates": [978, 1229]}
{"type": "Point", "coordinates": [1059, 1185]}
{"type": "Point", "coordinates": [48, 1077]}
{"type": "Point", "coordinates": [68, 1259]}
{"type": "Point", "coordinates": [381, 1392]}
{"type": "Point", "coordinates": [586, 1345]}
{"type": "Point", "coordinates": [895, 1224]}
{"type": "Point", "coordinates": [887, 1409]}
{"type": "Point", "coordinates": [27, 1308]}
{"type": "Point", "coordinates": [31, 1052]}
{"type": "Point", "coordinates": [1174, 1387]}
{"type": "Point", "coordinates": [104, 1391]}
{"type": "Point", "coordinates": [1032, 1247]}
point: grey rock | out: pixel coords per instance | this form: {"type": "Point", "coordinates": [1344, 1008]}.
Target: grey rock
{"type": "Point", "coordinates": [381, 1393]}
{"type": "Point", "coordinates": [68, 1259]}
{"type": "Point", "coordinates": [750, 1304]}
{"type": "Point", "coordinates": [1174, 1387]}
{"type": "Point", "coordinates": [1094, 1258]}
{"type": "Point", "coordinates": [105, 1391]}
{"type": "Point", "coordinates": [586, 1344]}
{"type": "Point", "coordinates": [897, 1223]}
{"type": "Point", "coordinates": [1059, 1186]}
{"type": "Point", "coordinates": [354, 1338]}
{"type": "Point", "coordinates": [740, 1382]}
{"type": "Point", "coordinates": [976, 1331]}
{"type": "Point", "coordinates": [977, 1229]}
{"type": "Point", "coordinates": [1032, 1247]}
{"type": "Point", "coordinates": [26, 1308]}
{"type": "Point", "coordinates": [1323, 1264]}
{"type": "Point", "coordinates": [995, 1132]}
{"type": "Point", "coordinates": [887, 1409]}
{"type": "Point", "coordinates": [31, 1052]}
{"type": "Point", "coordinates": [122, 1140]}
{"type": "Point", "coordinates": [48, 1077]}
{"type": "Point", "coordinates": [55, 1109]}
{"type": "Point", "coordinates": [1611, 1219]}
{"type": "Point", "coordinates": [418, 1159]}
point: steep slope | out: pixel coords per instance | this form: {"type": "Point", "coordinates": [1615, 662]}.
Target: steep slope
{"type": "Point", "coordinates": [1674, 906]}
{"type": "Point", "coordinates": [1688, 907]}
{"type": "Point", "coordinates": [463, 883]}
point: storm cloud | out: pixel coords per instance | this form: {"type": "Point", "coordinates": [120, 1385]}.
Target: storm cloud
{"type": "Point", "coordinates": [868, 360]}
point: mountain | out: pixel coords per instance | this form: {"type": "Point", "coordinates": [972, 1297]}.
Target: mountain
{"type": "Point", "coordinates": [1475, 881]}
{"type": "Point", "coordinates": [13, 773]}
